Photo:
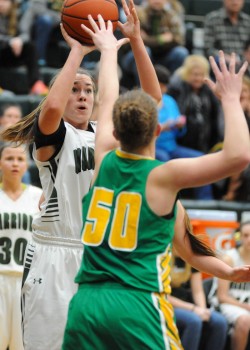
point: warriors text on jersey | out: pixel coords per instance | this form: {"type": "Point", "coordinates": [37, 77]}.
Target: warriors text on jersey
{"type": "Point", "coordinates": [15, 228]}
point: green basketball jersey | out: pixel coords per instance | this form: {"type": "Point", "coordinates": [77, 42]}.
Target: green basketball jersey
{"type": "Point", "coordinates": [124, 240]}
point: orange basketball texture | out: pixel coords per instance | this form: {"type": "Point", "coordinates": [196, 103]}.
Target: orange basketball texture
{"type": "Point", "coordinates": [75, 12]}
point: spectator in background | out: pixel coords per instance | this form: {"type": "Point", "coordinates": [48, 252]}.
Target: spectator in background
{"type": "Point", "coordinates": [39, 19]}
{"type": "Point", "coordinates": [18, 204]}
{"type": "Point", "coordinates": [227, 29]}
{"type": "Point", "coordinates": [11, 114]}
{"type": "Point", "coordinates": [15, 49]}
{"type": "Point", "coordinates": [172, 127]}
{"type": "Point", "coordinates": [197, 102]}
{"type": "Point", "coordinates": [177, 7]}
{"type": "Point", "coordinates": [199, 326]}
{"type": "Point", "coordinates": [234, 298]}
{"type": "Point", "coordinates": [162, 30]}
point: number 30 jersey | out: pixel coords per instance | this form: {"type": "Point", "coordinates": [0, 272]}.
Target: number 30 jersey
{"type": "Point", "coordinates": [16, 227]}
{"type": "Point", "coordinates": [124, 240]}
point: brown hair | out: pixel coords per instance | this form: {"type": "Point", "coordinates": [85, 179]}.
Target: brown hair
{"type": "Point", "coordinates": [135, 119]}
{"type": "Point", "coordinates": [22, 132]}
{"type": "Point", "coordinates": [198, 246]}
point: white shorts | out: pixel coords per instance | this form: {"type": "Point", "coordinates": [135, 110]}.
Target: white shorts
{"type": "Point", "coordinates": [48, 286]}
{"type": "Point", "coordinates": [10, 313]}
{"type": "Point", "coordinates": [232, 312]}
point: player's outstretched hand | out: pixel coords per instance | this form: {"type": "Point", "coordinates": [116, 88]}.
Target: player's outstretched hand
{"type": "Point", "coordinates": [131, 28]}
{"type": "Point", "coordinates": [240, 274]}
{"type": "Point", "coordinates": [74, 43]}
{"type": "Point", "coordinates": [102, 34]}
{"type": "Point", "coordinates": [228, 83]}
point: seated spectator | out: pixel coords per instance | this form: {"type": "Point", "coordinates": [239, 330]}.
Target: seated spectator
{"type": "Point", "coordinates": [39, 19]}
{"type": "Point", "coordinates": [15, 49]}
{"type": "Point", "coordinates": [199, 327]}
{"type": "Point", "coordinates": [197, 102]}
{"type": "Point", "coordinates": [234, 298]}
{"type": "Point", "coordinates": [162, 30]}
{"type": "Point", "coordinates": [177, 7]}
{"type": "Point", "coordinates": [172, 127]}
{"type": "Point", "coordinates": [227, 29]}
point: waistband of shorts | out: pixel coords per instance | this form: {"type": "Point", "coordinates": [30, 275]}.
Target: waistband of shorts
{"type": "Point", "coordinates": [110, 285]}
{"type": "Point", "coordinates": [52, 240]}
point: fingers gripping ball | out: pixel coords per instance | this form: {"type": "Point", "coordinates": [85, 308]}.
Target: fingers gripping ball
{"type": "Point", "coordinates": [75, 12]}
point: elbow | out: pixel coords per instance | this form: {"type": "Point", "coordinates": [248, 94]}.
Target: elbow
{"type": "Point", "coordinates": [239, 161]}
{"type": "Point", "coordinates": [53, 108]}
{"type": "Point", "coordinates": [244, 160]}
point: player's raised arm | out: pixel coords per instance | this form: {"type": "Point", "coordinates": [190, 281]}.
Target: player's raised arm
{"type": "Point", "coordinates": [235, 155]}
{"type": "Point", "coordinates": [56, 101]}
{"type": "Point", "coordinates": [108, 84]}
{"type": "Point", "coordinates": [131, 29]}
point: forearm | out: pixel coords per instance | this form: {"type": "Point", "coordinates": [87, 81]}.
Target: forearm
{"type": "Point", "coordinates": [176, 302]}
{"type": "Point", "coordinates": [108, 90]}
{"type": "Point", "coordinates": [145, 68]}
{"type": "Point", "coordinates": [235, 128]}
{"type": "Point", "coordinates": [108, 69]}
{"type": "Point", "coordinates": [60, 90]}
{"type": "Point", "coordinates": [211, 265]}
{"type": "Point", "coordinates": [199, 299]}
{"type": "Point", "coordinates": [227, 299]}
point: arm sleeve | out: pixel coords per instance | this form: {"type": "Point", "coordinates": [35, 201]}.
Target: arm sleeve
{"type": "Point", "coordinates": [55, 139]}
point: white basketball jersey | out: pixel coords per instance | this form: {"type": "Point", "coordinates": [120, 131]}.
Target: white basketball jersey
{"type": "Point", "coordinates": [16, 227]}
{"type": "Point", "coordinates": [65, 180]}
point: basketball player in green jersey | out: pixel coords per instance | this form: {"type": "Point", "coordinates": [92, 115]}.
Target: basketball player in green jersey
{"type": "Point", "coordinates": [131, 218]}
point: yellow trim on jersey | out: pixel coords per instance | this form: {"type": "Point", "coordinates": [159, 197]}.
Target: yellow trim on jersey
{"type": "Point", "coordinates": [169, 328]}
{"type": "Point", "coordinates": [133, 156]}
{"type": "Point", "coordinates": [164, 268]}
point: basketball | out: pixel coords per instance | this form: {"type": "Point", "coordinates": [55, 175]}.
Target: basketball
{"type": "Point", "coordinates": [75, 12]}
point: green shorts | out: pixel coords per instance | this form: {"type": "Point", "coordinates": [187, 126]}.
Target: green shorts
{"type": "Point", "coordinates": [108, 316]}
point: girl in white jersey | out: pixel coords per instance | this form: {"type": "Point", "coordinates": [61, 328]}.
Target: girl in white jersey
{"type": "Point", "coordinates": [18, 204]}
{"type": "Point", "coordinates": [64, 146]}
{"type": "Point", "coordinates": [234, 297]}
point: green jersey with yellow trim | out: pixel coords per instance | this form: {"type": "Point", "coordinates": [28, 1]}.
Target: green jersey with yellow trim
{"type": "Point", "coordinates": [124, 240]}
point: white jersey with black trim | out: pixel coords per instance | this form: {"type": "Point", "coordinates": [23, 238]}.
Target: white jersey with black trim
{"type": "Point", "coordinates": [16, 227]}
{"type": "Point", "coordinates": [65, 180]}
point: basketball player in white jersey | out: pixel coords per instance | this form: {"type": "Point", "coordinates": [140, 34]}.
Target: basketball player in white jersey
{"type": "Point", "coordinates": [18, 204]}
{"type": "Point", "coordinates": [64, 146]}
